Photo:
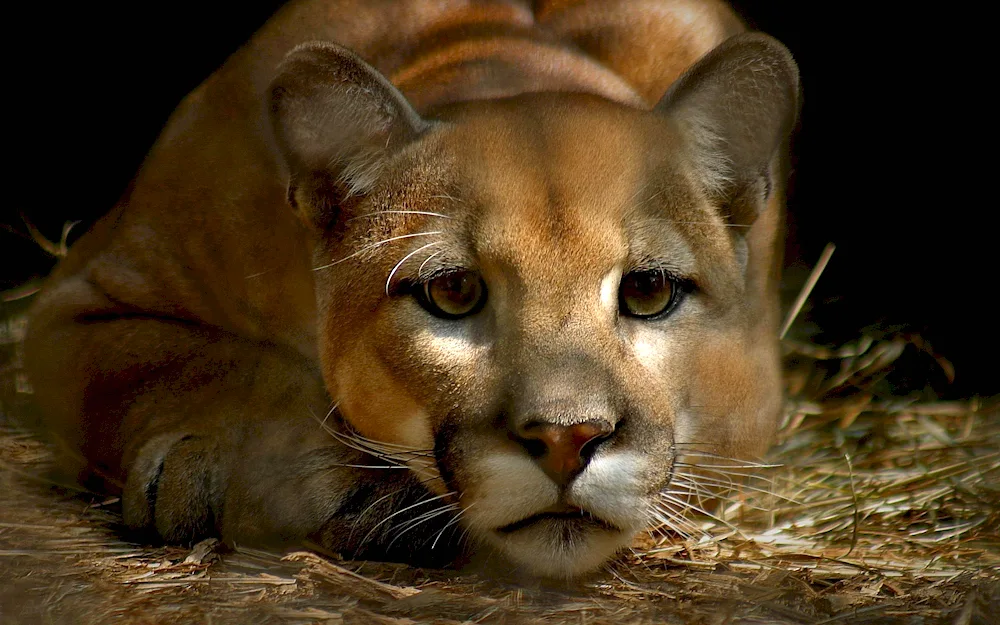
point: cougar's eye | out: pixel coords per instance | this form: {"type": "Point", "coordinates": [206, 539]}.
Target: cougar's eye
{"type": "Point", "coordinates": [645, 294]}
{"type": "Point", "coordinates": [453, 295]}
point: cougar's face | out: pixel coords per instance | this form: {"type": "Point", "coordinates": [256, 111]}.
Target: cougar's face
{"type": "Point", "coordinates": [539, 308]}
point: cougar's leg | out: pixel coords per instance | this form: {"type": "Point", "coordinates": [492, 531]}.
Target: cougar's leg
{"type": "Point", "coordinates": [206, 433]}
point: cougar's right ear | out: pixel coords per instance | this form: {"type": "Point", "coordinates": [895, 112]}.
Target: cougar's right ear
{"type": "Point", "coordinates": [736, 107]}
{"type": "Point", "coordinates": [337, 122]}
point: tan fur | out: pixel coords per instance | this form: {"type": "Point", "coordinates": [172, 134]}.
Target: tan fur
{"type": "Point", "coordinates": [238, 366]}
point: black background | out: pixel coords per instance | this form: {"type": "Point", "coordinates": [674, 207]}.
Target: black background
{"type": "Point", "coordinates": [892, 159]}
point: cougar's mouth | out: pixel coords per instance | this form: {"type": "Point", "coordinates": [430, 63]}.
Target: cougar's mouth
{"type": "Point", "coordinates": [570, 515]}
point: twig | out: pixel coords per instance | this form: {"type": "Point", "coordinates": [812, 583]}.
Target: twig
{"type": "Point", "coordinates": [807, 288]}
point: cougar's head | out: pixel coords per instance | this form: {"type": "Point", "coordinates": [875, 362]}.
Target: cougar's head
{"type": "Point", "coordinates": [557, 309]}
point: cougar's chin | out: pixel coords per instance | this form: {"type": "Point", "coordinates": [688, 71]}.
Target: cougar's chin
{"type": "Point", "coordinates": [544, 530]}
{"type": "Point", "coordinates": [559, 545]}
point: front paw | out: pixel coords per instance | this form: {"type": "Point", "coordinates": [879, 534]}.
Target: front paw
{"type": "Point", "coordinates": [173, 487]}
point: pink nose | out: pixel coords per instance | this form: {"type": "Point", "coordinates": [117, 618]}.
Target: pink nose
{"type": "Point", "coordinates": [564, 455]}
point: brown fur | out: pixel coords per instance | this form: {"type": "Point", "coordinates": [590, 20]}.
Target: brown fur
{"type": "Point", "coordinates": [191, 346]}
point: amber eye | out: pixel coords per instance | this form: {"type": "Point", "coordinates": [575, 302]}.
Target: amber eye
{"type": "Point", "coordinates": [646, 294]}
{"type": "Point", "coordinates": [454, 294]}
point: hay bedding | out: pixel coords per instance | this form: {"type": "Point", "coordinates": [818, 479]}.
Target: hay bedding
{"type": "Point", "coordinates": [876, 508]}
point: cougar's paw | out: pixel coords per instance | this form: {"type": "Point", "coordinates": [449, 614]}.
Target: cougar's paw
{"type": "Point", "coordinates": [173, 488]}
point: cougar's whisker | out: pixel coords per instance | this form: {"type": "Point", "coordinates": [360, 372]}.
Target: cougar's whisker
{"type": "Point", "coordinates": [672, 519]}
{"type": "Point", "coordinates": [420, 520]}
{"type": "Point", "coordinates": [738, 487]}
{"type": "Point", "coordinates": [698, 509]}
{"type": "Point", "coordinates": [693, 499]}
{"type": "Point", "coordinates": [406, 258]}
{"type": "Point", "coordinates": [450, 523]}
{"type": "Point", "coordinates": [420, 270]}
{"type": "Point", "coordinates": [398, 212]}
{"type": "Point", "coordinates": [732, 480]}
{"type": "Point", "coordinates": [369, 508]}
{"type": "Point", "coordinates": [666, 517]}
{"type": "Point", "coordinates": [704, 482]}
{"type": "Point", "coordinates": [371, 246]}
{"type": "Point", "coordinates": [422, 502]}
{"type": "Point", "coordinates": [387, 444]}
{"type": "Point", "coordinates": [329, 414]}
{"type": "Point", "coordinates": [446, 196]}
{"type": "Point", "coordinates": [683, 468]}
{"type": "Point", "coordinates": [737, 463]}
{"type": "Point", "coordinates": [390, 452]}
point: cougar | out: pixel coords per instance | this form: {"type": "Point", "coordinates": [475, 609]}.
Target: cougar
{"type": "Point", "coordinates": [418, 280]}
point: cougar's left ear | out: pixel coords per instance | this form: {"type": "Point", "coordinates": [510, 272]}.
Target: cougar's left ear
{"type": "Point", "coordinates": [337, 121]}
{"type": "Point", "coordinates": [736, 108]}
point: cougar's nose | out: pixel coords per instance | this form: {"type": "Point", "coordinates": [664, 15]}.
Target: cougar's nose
{"type": "Point", "coordinates": [562, 451]}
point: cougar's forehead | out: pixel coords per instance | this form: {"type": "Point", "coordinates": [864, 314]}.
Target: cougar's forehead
{"type": "Point", "coordinates": [560, 189]}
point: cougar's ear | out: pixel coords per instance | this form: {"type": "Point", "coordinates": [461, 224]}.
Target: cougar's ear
{"type": "Point", "coordinates": [736, 108]}
{"type": "Point", "coordinates": [337, 121]}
